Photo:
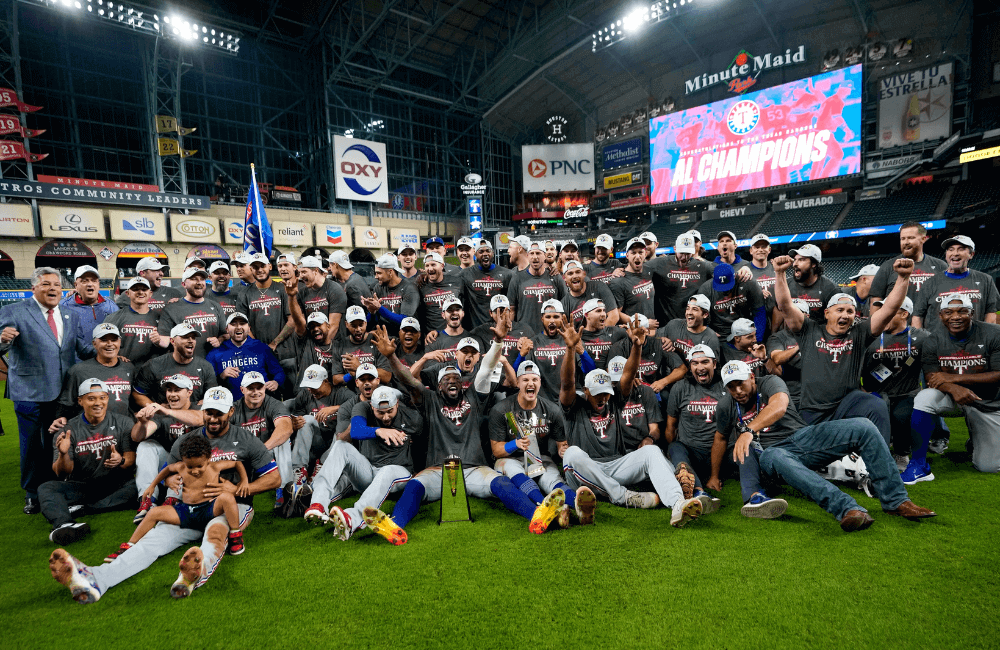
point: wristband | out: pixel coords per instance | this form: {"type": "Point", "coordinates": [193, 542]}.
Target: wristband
{"type": "Point", "coordinates": [347, 377]}
{"type": "Point", "coordinates": [510, 447]}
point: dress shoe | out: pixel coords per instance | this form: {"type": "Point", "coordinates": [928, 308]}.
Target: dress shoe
{"type": "Point", "coordinates": [855, 520]}
{"type": "Point", "coordinates": [31, 506]}
{"type": "Point", "coordinates": [911, 510]}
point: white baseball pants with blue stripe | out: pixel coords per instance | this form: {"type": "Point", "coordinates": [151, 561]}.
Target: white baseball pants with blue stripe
{"type": "Point", "coordinates": [610, 477]}
{"type": "Point", "coordinates": [346, 467]}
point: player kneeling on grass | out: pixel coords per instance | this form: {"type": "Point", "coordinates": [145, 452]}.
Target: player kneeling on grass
{"type": "Point", "coordinates": [384, 464]}
{"type": "Point", "coordinates": [760, 412]}
{"type": "Point", "coordinates": [535, 416]}
{"type": "Point", "coordinates": [591, 454]}
{"type": "Point", "coordinates": [453, 416]}
{"type": "Point", "coordinates": [197, 471]}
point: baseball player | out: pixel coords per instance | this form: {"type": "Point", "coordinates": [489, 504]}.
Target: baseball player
{"type": "Point", "coordinates": [394, 298]}
{"type": "Point", "coordinates": [691, 330]}
{"type": "Point", "coordinates": [957, 278]}
{"type": "Point", "coordinates": [633, 291]}
{"type": "Point", "coordinates": [732, 300]}
{"type": "Point", "coordinates": [499, 304]}
{"type": "Point", "coordinates": [483, 281]}
{"type": "Point", "coordinates": [741, 345]}
{"type": "Point", "coordinates": [203, 316]}
{"type": "Point", "coordinates": [783, 349]}
{"type": "Point", "coordinates": [579, 290]}
{"type": "Point", "coordinates": [137, 324]}
{"type": "Point", "coordinates": [146, 388]}
{"type": "Point", "coordinates": [912, 236]}
{"type": "Point", "coordinates": [807, 282]}
{"type": "Point", "coordinates": [533, 287]}
{"type": "Point", "coordinates": [604, 265]}
{"type": "Point", "coordinates": [219, 290]}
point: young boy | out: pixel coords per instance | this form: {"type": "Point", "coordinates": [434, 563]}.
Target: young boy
{"type": "Point", "coordinates": [194, 512]}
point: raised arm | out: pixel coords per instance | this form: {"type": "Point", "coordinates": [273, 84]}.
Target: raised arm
{"type": "Point", "coordinates": [385, 345]}
{"type": "Point", "coordinates": [295, 309]}
{"type": "Point", "coordinates": [794, 319]}
{"type": "Point", "coordinates": [638, 334]}
{"type": "Point", "coordinates": [567, 373]}
{"type": "Point", "coordinates": [500, 330]}
{"type": "Point", "coordinates": [880, 319]}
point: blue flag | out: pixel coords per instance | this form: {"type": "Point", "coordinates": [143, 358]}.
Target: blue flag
{"type": "Point", "coordinates": [257, 235]}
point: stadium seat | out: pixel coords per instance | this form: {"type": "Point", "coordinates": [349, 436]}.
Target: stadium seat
{"type": "Point", "coordinates": [840, 270]}
{"type": "Point", "coordinates": [970, 197]}
{"type": "Point", "coordinates": [666, 233]}
{"type": "Point", "coordinates": [742, 226]}
{"type": "Point", "coordinates": [786, 222]}
{"type": "Point", "coordinates": [915, 203]}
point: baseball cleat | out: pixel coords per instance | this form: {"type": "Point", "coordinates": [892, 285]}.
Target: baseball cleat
{"type": "Point", "coordinates": [75, 576]}
{"type": "Point", "coordinates": [545, 513]}
{"type": "Point", "coordinates": [121, 549]}
{"type": "Point", "coordinates": [143, 509]}
{"type": "Point", "coordinates": [685, 477]}
{"type": "Point", "coordinates": [342, 524]}
{"type": "Point", "coordinates": [586, 504]}
{"type": "Point", "coordinates": [236, 546]}
{"type": "Point", "coordinates": [382, 524]}
{"type": "Point", "coordinates": [917, 471]}
{"type": "Point", "coordinates": [316, 468]}
{"type": "Point", "coordinates": [685, 511]}
{"type": "Point", "coordinates": [316, 515]}
{"type": "Point", "coordinates": [171, 501]}
{"type": "Point", "coordinates": [190, 567]}
{"type": "Point", "coordinates": [645, 500]}
{"type": "Point", "coordinates": [69, 533]}
{"type": "Point", "coordinates": [760, 506]}
{"type": "Point", "coordinates": [301, 476]}
{"type": "Point", "coordinates": [562, 519]}
{"type": "Point", "coordinates": [709, 504]}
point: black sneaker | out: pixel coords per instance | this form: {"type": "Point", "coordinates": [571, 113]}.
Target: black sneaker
{"type": "Point", "coordinates": [69, 533]}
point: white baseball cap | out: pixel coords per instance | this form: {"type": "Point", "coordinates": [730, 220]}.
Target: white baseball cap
{"type": "Point", "coordinates": [906, 306]}
{"type": "Point", "coordinates": [85, 269]}
{"type": "Point", "coordinates": [310, 262]}
{"type": "Point", "coordinates": [523, 241]}
{"type": "Point", "coordinates": [642, 319]}
{"type": "Point", "coordinates": [194, 260]}
{"type": "Point", "coordinates": [635, 241]}
{"type": "Point", "coordinates": [219, 399]}
{"type": "Point", "coordinates": [366, 369]}
{"type": "Point", "coordinates": [180, 381]}
{"type": "Point", "coordinates": [701, 300]}
{"type": "Point", "coordinates": [465, 241]}
{"type": "Point", "coordinates": [340, 259]}
{"type": "Point", "coordinates": [838, 298]}
{"type": "Point", "coordinates": [103, 329]}
{"type": "Point", "coordinates": [317, 317]}
{"type": "Point", "coordinates": [388, 261]}
{"type": "Point", "coordinates": [236, 314]}
{"type": "Point", "coordinates": [447, 370]}
{"type": "Point", "coordinates": [726, 233]}
{"type": "Point", "coordinates": [242, 257]}
{"type": "Point", "coordinates": [684, 243]}
{"type": "Point", "coordinates": [384, 398]}
{"type": "Point", "coordinates": [867, 269]}
{"type": "Point", "coordinates": [183, 329]}
{"type": "Point", "coordinates": [498, 301]}
{"type": "Point", "coordinates": [616, 368]}
{"type": "Point", "coordinates": [759, 237]}
{"type": "Point", "coordinates": [741, 327]}
{"type": "Point", "coordinates": [139, 280]}
{"type": "Point", "coordinates": [649, 237]}
{"type": "Point", "coordinates": [952, 298]}
{"type": "Point", "coordinates": [809, 250]}
{"type": "Point", "coordinates": [468, 342]}
{"type": "Point", "coordinates": [801, 305]}
{"type": "Point", "coordinates": [528, 368]}
{"type": "Point", "coordinates": [958, 239]}
{"type": "Point", "coordinates": [451, 302]}
{"type": "Point", "coordinates": [535, 244]}
{"type": "Point", "coordinates": [314, 376]}
{"type": "Point", "coordinates": [735, 371]}
{"type": "Point", "coordinates": [149, 264]}
{"type": "Point", "coordinates": [219, 265]}
{"type": "Point", "coordinates": [567, 244]}
{"type": "Point", "coordinates": [572, 264]}
{"type": "Point", "coordinates": [192, 271]}
{"type": "Point", "coordinates": [405, 247]}
{"type": "Point", "coordinates": [410, 322]}
{"type": "Point", "coordinates": [433, 257]}
{"type": "Point", "coordinates": [605, 241]}
{"type": "Point", "coordinates": [355, 313]}
{"type": "Point", "coordinates": [258, 258]}
{"type": "Point", "coordinates": [598, 382]}
{"type": "Point", "coordinates": [92, 385]}
{"type": "Point", "coordinates": [701, 348]}
{"type": "Point", "coordinates": [694, 233]}
{"type": "Point", "coordinates": [286, 257]}
{"type": "Point", "coordinates": [591, 305]}
{"type": "Point", "coordinates": [554, 304]}
{"type": "Point", "coordinates": [252, 377]}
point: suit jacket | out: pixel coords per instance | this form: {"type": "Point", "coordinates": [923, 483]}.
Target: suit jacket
{"type": "Point", "coordinates": [37, 363]}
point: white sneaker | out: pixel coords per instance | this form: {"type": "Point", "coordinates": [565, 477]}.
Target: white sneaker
{"type": "Point", "coordinates": [645, 500]}
{"type": "Point", "coordinates": [901, 461]}
{"type": "Point", "coordinates": [74, 575]}
{"type": "Point", "coordinates": [685, 511]}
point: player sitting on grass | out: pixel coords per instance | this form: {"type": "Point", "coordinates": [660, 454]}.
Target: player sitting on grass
{"type": "Point", "coordinates": [197, 471]}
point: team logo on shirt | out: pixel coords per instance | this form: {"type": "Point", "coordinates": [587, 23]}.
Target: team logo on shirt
{"type": "Point", "coordinates": [95, 445]}
{"type": "Point", "coordinates": [974, 294]}
{"type": "Point", "coordinates": [632, 410]}
{"type": "Point", "coordinates": [896, 353]}
{"type": "Point", "coordinates": [257, 425]}
{"type": "Point", "coordinates": [767, 282]}
{"type": "Point", "coordinates": [118, 386]}
{"type": "Point", "coordinates": [392, 301]}
{"type": "Point", "coordinates": [601, 423]}
{"type": "Point", "coordinates": [683, 345]}
{"type": "Point", "coordinates": [597, 347]}
{"type": "Point", "coordinates": [918, 277]}
{"type": "Point", "coordinates": [553, 353]}
{"type": "Point", "coordinates": [729, 304]}
{"type": "Point", "coordinates": [604, 276]}
{"type": "Point", "coordinates": [438, 296]}
{"type": "Point", "coordinates": [319, 303]}
{"type": "Point", "coordinates": [200, 319]}
{"type": "Point", "coordinates": [487, 284]}
{"type": "Point", "coordinates": [836, 347]}
{"type": "Point", "coordinates": [644, 288]}
{"type": "Point", "coordinates": [962, 362]}
{"type": "Point", "coordinates": [814, 303]}
{"type": "Point", "coordinates": [703, 407]}
{"type": "Point", "coordinates": [141, 330]}
{"type": "Point", "coordinates": [684, 276]}
{"type": "Point", "coordinates": [457, 413]}
{"type": "Point", "coordinates": [539, 291]}
{"type": "Point", "coordinates": [219, 454]}
{"type": "Point", "coordinates": [647, 369]}
{"type": "Point", "coordinates": [265, 304]}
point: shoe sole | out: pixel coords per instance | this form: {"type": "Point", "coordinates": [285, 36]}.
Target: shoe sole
{"type": "Point", "coordinates": [771, 509]}
{"type": "Point", "coordinates": [586, 505]}
{"type": "Point", "coordinates": [65, 536]}
{"type": "Point", "coordinates": [340, 528]}
{"type": "Point", "coordinates": [691, 510]}
{"type": "Point", "coordinates": [709, 504]}
{"type": "Point", "coordinates": [545, 513]}
{"type": "Point", "coordinates": [920, 479]}
{"type": "Point", "coordinates": [316, 518]}
{"type": "Point", "coordinates": [190, 572]}
{"type": "Point", "coordinates": [562, 519]}
{"type": "Point", "coordinates": [239, 552]}
{"type": "Point", "coordinates": [685, 477]}
{"type": "Point", "coordinates": [63, 568]}
{"type": "Point", "coordinates": [136, 520]}
{"type": "Point", "coordinates": [384, 526]}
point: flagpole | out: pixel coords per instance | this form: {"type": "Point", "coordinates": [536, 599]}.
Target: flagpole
{"type": "Point", "coordinates": [258, 209]}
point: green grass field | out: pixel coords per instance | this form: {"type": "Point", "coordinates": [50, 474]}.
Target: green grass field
{"type": "Point", "coordinates": [629, 581]}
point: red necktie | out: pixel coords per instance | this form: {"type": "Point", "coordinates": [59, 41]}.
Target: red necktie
{"type": "Point", "coordinates": [52, 324]}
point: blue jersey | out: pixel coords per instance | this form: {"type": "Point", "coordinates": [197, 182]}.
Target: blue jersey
{"type": "Point", "coordinates": [253, 355]}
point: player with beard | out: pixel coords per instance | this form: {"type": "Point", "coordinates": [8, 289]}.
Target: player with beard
{"type": "Point", "coordinates": [115, 371]}
{"type": "Point", "coordinates": [787, 360]}
{"type": "Point", "coordinates": [446, 340]}
{"type": "Point", "coordinates": [437, 289]}
{"type": "Point", "coordinates": [465, 251]}
{"type": "Point", "coordinates": [634, 291]}
{"type": "Point", "coordinates": [683, 334]}
{"type": "Point", "coordinates": [452, 416]}
{"type": "Point", "coordinates": [962, 369]}
{"type": "Point", "coordinates": [676, 278]}
{"type": "Point", "coordinates": [546, 349]}
{"type": "Point", "coordinates": [592, 454]}
{"type": "Point", "coordinates": [600, 341]}
{"type": "Point", "coordinates": [407, 256]}
{"type": "Point", "coordinates": [312, 333]}
{"type": "Point", "coordinates": [773, 440]}
{"type": "Point", "coordinates": [641, 416]}
{"type": "Point", "coordinates": [551, 255]}
{"type": "Point", "coordinates": [354, 285]}
{"type": "Point", "coordinates": [483, 281]}
{"type": "Point", "coordinates": [219, 290]}
{"type": "Point", "coordinates": [649, 239]}
{"type": "Point", "coordinates": [531, 288]}
{"type": "Point", "coordinates": [808, 282]}
{"type": "Point", "coordinates": [763, 274]}
{"type": "Point", "coordinates": [861, 291]}
{"type": "Point", "coordinates": [202, 315]}
{"type": "Point", "coordinates": [151, 270]}
{"type": "Point", "coordinates": [355, 350]}
{"type": "Point", "coordinates": [833, 352]}
{"type": "Point", "coordinates": [742, 345]}
{"type": "Point", "coordinates": [659, 368]}
{"type": "Point", "coordinates": [726, 241]}
{"type": "Point", "coordinates": [579, 290]}
{"type": "Point", "coordinates": [732, 300]}
{"type": "Point", "coordinates": [181, 361]}
{"type": "Point", "coordinates": [268, 419]}
{"type": "Point", "coordinates": [689, 432]}
{"type": "Point", "coordinates": [517, 250]}
{"type": "Point", "coordinates": [466, 355]}
{"type": "Point", "coordinates": [394, 299]}
{"type": "Point", "coordinates": [957, 278]}
{"type": "Point", "coordinates": [604, 266]}
{"type": "Point", "coordinates": [242, 354]}
{"type": "Point", "coordinates": [319, 294]}
{"type": "Point", "coordinates": [436, 245]}
{"type": "Point", "coordinates": [266, 304]}
{"type": "Point", "coordinates": [137, 324]}
{"type": "Point", "coordinates": [499, 305]}
{"type": "Point", "coordinates": [912, 236]}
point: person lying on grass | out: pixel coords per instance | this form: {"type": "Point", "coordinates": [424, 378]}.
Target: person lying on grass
{"type": "Point", "coordinates": [197, 471]}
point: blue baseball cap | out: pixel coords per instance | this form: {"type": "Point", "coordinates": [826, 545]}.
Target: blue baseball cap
{"type": "Point", "coordinates": [724, 278]}
{"type": "Point", "coordinates": [434, 240]}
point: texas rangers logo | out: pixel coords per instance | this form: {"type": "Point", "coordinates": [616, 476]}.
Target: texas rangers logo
{"type": "Point", "coordinates": [554, 353]}
{"type": "Point", "coordinates": [200, 319]}
{"type": "Point", "coordinates": [597, 347]}
{"type": "Point", "coordinates": [319, 303]}
{"type": "Point", "coordinates": [705, 406]}
{"type": "Point", "coordinates": [265, 304]}
{"type": "Point", "coordinates": [836, 347]}
{"type": "Point", "coordinates": [95, 445]}
{"type": "Point", "coordinates": [918, 277]}
{"type": "Point", "coordinates": [601, 423]}
{"type": "Point", "coordinates": [743, 117]}
{"type": "Point", "coordinates": [632, 410]}
{"type": "Point", "coordinates": [645, 288]}
{"type": "Point", "coordinates": [487, 284]}
{"type": "Point", "coordinates": [962, 362]}
{"type": "Point", "coordinates": [684, 276]}
{"type": "Point", "coordinates": [617, 367]}
{"type": "Point", "coordinates": [457, 413]}
{"type": "Point", "coordinates": [139, 330]}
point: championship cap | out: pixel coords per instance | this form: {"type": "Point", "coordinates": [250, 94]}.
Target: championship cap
{"type": "Point", "coordinates": [388, 261]}
{"type": "Point", "coordinates": [801, 305]}
{"type": "Point", "coordinates": [741, 327]}
{"type": "Point", "coordinates": [464, 241]}
{"type": "Point", "coordinates": [759, 237]}
{"type": "Point", "coordinates": [570, 265]}
{"type": "Point", "coordinates": [258, 258]}
{"type": "Point", "coordinates": [139, 280]}
{"type": "Point", "coordinates": [451, 302]}
{"type": "Point", "coordinates": [726, 233]}
{"type": "Point", "coordinates": [723, 278]}
{"type": "Point", "coordinates": [635, 241]}
{"type": "Point", "coordinates": [92, 385]}
{"type": "Point", "coordinates": [568, 243]}
{"type": "Point", "coordinates": [535, 245]}
{"type": "Point", "coordinates": [735, 371]}
{"type": "Point", "coordinates": [498, 301]}
{"type": "Point", "coordinates": [384, 398]}
{"type": "Point", "coordinates": [591, 305]}
{"type": "Point", "coordinates": [314, 376]}
{"type": "Point", "coordinates": [684, 243]}
{"type": "Point", "coordinates": [701, 348]}
{"type": "Point", "coordinates": [410, 322]}
{"type": "Point", "coordinates": [286, 257]}
{"type": "Point", "coordinates": [958, 239]}
{"type": "Point", "coordinates": [183, 329]}
{"type": "Point", "coordinates": [952, 298]}
{"type": "Point", "coordinates": [366, 370]}
{"type": "Point", "coordinates": [237, 315]}
{"type": "Point", "coordinates": [192, 271]}
{"type": "Point", "coordinates": [317, 317]}
{"type": "Point", "coordinates": [643, 321]}
{"type": "Point", "coordinates": [242, 257]}
{"type": "Point", "coordinates": [433, 257]}
{"type": "Point", "coordinates": [907, 305]}
{"type": "Point", "coordinates": [103, 329]}
{"type": "Point", "coordinates": [219, 265]}
{"type": "Point", "coordinates": [867, 269]}
{"type": "Point", "coordinates": [340, 259]}
{"type": "Point", "coordinates": [310, 262]}
{"type": "Point", "coordinates": [180, 381]}
{"type": "Point", "coordinates": [149, 264]}
{"type": "Point", "coordinates": [605, 241]}
{"type": "Point", "coordinates": [616, 367]}
{"type": "Point", "coordinates": [354, 313]}
{"type": "Point", "coordinates": [468, 342]}
{"type": "Point", "coordinates": [523, 241]}
{"type": "Point", "coordinates": [548, 243]}
{"type": "Point", "coordinates": [598, 382]}
{"type": "Point", "coordinates": [484, 243]}
{"type": "Point", "coordinates": [434, 240]}
{"type": "Point", "coordinates": [649, 237]}
{"type": "Point", "coordinates": [84, 270]}
{"type": "Point", "coordinates": [554, 304]}
{"type": "Point", "coordinates": [809, 250]}
{"type": "Point", "coordinates": [528, 368]}
{"type": "Point", "coordinates": [193, 260]}
{"type": "Point", "coordinates": [694, 233]}
{"type": "Point", "coordinates": [405, 247]}
{"type": "Point", "coordinates": [701, 300]}
{"type": "Point", "coordinates": [251, 378]}
{"type": "Point", "coordinates": [447, 370]}
{"type": "Point", "coordinates": [219, 399]}
{"type": "Point", "coordinates": [839, 298]}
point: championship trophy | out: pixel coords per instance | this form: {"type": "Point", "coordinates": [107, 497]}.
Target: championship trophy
{"type": "Point", "coordinates": [454, 500]}
{"type": "Point", "coordinates": [532, 456]}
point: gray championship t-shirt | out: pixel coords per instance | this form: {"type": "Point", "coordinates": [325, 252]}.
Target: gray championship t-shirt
{"type": "Point", "coordinates": [893, 363]}
{"type": "Point", "coordinates": [598, 434]}
{"type": "Point", "coordinates": [545, 421]}
{"type": "Point", "coordinates": [976, 285]}
{"type": "Point", "coordinates": [674, 285]}
{"type": "Point", "coordinates": [528, 292]}
{"type": "Point", "coordinates": [684, 339]}
{"type": "Point", "coordinates": [376, 450]}
{"type": "Point", "coordinates": [329, 298]}
{"type": "Point", "coordinates": [637, 410]}
{"type": "Point", "coordinates": [262, 420]}
{"type": "Point", "coordinates": [90, 445]}
{"type": "Point", "coordinates": [573, 305]}
{"type": "Point", "coordinates": [742, 302]}
{"type": "Point", "coordinates": [480, 287]}
{"type": "Point", "coordinates": [978, 352]}
{"type": "Point", "coordinates": [885, 278]}
{"type": "Point", "coordinates": [148, 377]}
{"type": "Point", "coordinates": [237, 444]}
{"type": "Point", "coordinates": [694, 406]}
{"type": "Point", "coordinates": [634, 293]}
{"type": "Point", "coordinates": [816, 295]}
{"type": "Point", "coordinates": [136, 332]}
{"type": "Point", "coordinates": [730, 411]}
{"type": "Point", "coordinates": [831, 364]}
{"type": "Point", "coordinates": [454, 429]}
{"type": "Point", "coordinates": [118, 377]}
{"type": "Point", "coordinates": [205, 317]}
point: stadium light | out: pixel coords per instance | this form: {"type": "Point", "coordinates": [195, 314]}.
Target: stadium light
{"type": "Point", "coordinates": [636, 19]}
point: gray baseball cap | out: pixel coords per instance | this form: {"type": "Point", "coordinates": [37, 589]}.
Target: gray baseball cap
{"type": "Point", "coordinates": [92, 385]}
{"type": "Point", "coordinates": [741, 327]}
{"type": "Point", "coordinates": [384, 398]}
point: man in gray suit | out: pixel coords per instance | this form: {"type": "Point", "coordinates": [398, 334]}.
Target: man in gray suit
{"type": "Point", "coordinates": [42, 342]}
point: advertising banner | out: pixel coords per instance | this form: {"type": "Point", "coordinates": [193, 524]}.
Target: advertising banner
{"type": "Point", "coordinates": [810, 202]}
{"type": "Point", "coordinates": [232, 230]}
{"type": "Point", "coordinates": [370, 237]}
{"type": "Point", "coordinates": [404, 236]}
{"type": "Point", "coordinates": [360, 169]}
{"type": "Point", "coordinates": [289, 233]}
{"type": "Point", "coordinates": [557, 167]}
{"type": "Point", "coordinates": [72, 222]}
{"type": "Point", "coordinates": [136, 199]}
{"type": "Point", "coordinates": [503, 239]}
{"type": "Point", "coordinates": [335, 235]}
{"type": "Point", "coordinates": [16, 221]}
{"type": "Point", "coordinates": [739, 211]}
{"type": "Point", "coordinates": [915, 106]}
{"type": "Point", "coordinates": [127, 225]}
{"type": "Point", "coordinates": [88, 182]}
{"type": "Point", "coordinates": [622, 154]}
{"type": "Point", "coordinates": [805, 130]}
{"type": "Point", "coordinates": [623, 180]}
{"type": "Point", "coordinates": [194, 229]}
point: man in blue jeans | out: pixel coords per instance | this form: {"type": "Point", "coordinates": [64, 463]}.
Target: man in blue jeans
{"type": "Point", "coordinates": [764, 415]}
